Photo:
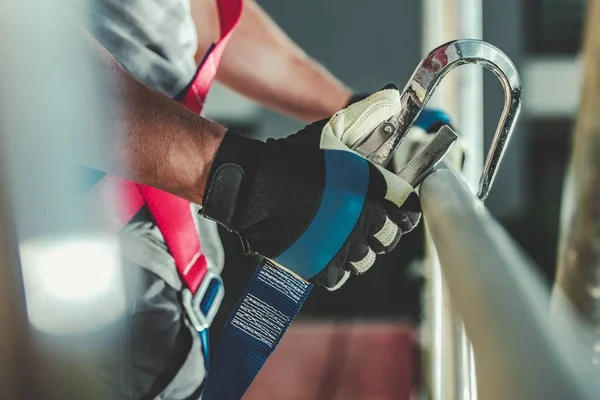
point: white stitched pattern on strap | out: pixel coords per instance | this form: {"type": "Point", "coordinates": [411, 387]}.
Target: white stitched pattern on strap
{"type": "Point", "coordinates": [259, 320]}
{"type": "Point", "coordinates": [282, 282]}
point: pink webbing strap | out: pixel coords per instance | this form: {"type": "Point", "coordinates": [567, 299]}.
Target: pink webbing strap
{"type": "Point", "coordinates": [230, 12]}
{"type": "Point", "coordinates": [118, 200]}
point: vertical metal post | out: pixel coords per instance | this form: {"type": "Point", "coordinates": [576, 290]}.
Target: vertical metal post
{"type": "Point", "coordinates": [15, 344]}
{"type": "Point", "coordinates": [450, 364]}
{"type": "Point", "coordinates": [578, 275]}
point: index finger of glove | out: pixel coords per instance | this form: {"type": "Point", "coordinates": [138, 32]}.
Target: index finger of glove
{"type": "Point", "coordinates": [355, 121]}
{"type": "Point", "coordinates": [399, 199]}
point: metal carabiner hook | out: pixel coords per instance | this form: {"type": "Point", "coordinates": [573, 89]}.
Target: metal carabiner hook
{"type": "Point", "coordinates": [381, 144]}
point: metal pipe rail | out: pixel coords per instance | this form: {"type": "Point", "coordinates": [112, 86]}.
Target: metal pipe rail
{"type": "Point", "coordinates": [519, 354]}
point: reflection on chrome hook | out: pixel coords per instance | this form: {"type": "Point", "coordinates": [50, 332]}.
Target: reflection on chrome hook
{"type": "Point", "coordinates": [379, 146]}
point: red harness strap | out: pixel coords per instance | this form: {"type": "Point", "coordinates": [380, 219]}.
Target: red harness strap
{"type": "Point", "coordinates": [119, 200]}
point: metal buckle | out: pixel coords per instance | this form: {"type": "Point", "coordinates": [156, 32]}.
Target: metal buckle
{"type": "Point", "coordinates": [193, 303]}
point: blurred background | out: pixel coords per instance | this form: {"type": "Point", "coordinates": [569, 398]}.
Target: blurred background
{"type": "Point", "coordinates": [368, 44]}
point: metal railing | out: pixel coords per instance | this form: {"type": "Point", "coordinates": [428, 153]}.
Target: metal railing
{"type": "Point", "coordinates": [519, 352]}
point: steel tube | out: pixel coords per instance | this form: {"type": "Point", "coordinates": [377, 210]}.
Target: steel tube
{"type": "Point", "coordinates": [520, 354]}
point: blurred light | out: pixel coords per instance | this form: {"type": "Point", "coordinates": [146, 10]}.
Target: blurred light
{"type": "Point", "coordinates": [73, 270]}
{"type": "Point", "coordinates": [72, 285]}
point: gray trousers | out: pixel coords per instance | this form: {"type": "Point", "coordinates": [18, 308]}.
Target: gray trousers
{"type": "Point", "coordinates": [153, 352]}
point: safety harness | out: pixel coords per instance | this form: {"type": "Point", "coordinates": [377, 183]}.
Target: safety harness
{"type": "Point", "coordinates": [117, 200]}
{"type": "Point", "coordinates": [273, 296]}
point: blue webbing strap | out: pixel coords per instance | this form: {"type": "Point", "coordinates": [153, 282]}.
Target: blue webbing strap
{"type": "Point", "coordinates": [274, 296]}
{"type": "Point", "coordinates": [205, 343]}
{"type": "Point", "coordinates": [263, 313]}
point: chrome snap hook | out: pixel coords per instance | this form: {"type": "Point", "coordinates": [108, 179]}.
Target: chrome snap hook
{"type": "Point", "coordinates": [380, 145]}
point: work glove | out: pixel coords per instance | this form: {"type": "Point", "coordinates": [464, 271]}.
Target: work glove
{"type": "Point", "coordinates": [356, 97]}
{"type": "Point", "coordinates": [429, 121]}
{"type": "Point", "coordinates": [307, 202]}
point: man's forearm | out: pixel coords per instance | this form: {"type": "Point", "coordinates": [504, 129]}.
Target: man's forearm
{"type": "Point", "coordinates": [262, 63]}
{"type": "Point", "coordinates": [151, 138]}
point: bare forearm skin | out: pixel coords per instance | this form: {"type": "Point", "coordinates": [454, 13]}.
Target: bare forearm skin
{"type": "Point", "coordinates": [264, 64]}
{"type": "Point", "coordinates": [152, 139]}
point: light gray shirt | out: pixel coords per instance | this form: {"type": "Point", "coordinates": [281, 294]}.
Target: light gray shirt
{"type": "Point", "coordinates": [155, 40]}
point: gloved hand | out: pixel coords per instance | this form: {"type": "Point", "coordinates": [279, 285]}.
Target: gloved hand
{"type": "Point", "coordinates": [307, 202]}
{"type": "Point", "coordinates": [429, 121]}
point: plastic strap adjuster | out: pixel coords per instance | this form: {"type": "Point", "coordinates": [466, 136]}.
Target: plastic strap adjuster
{"type": "Point", "coordinates": [202, 306]}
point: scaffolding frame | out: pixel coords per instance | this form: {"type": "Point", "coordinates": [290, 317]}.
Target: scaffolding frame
{"type": "Point", "coordinates": [449, 364]}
